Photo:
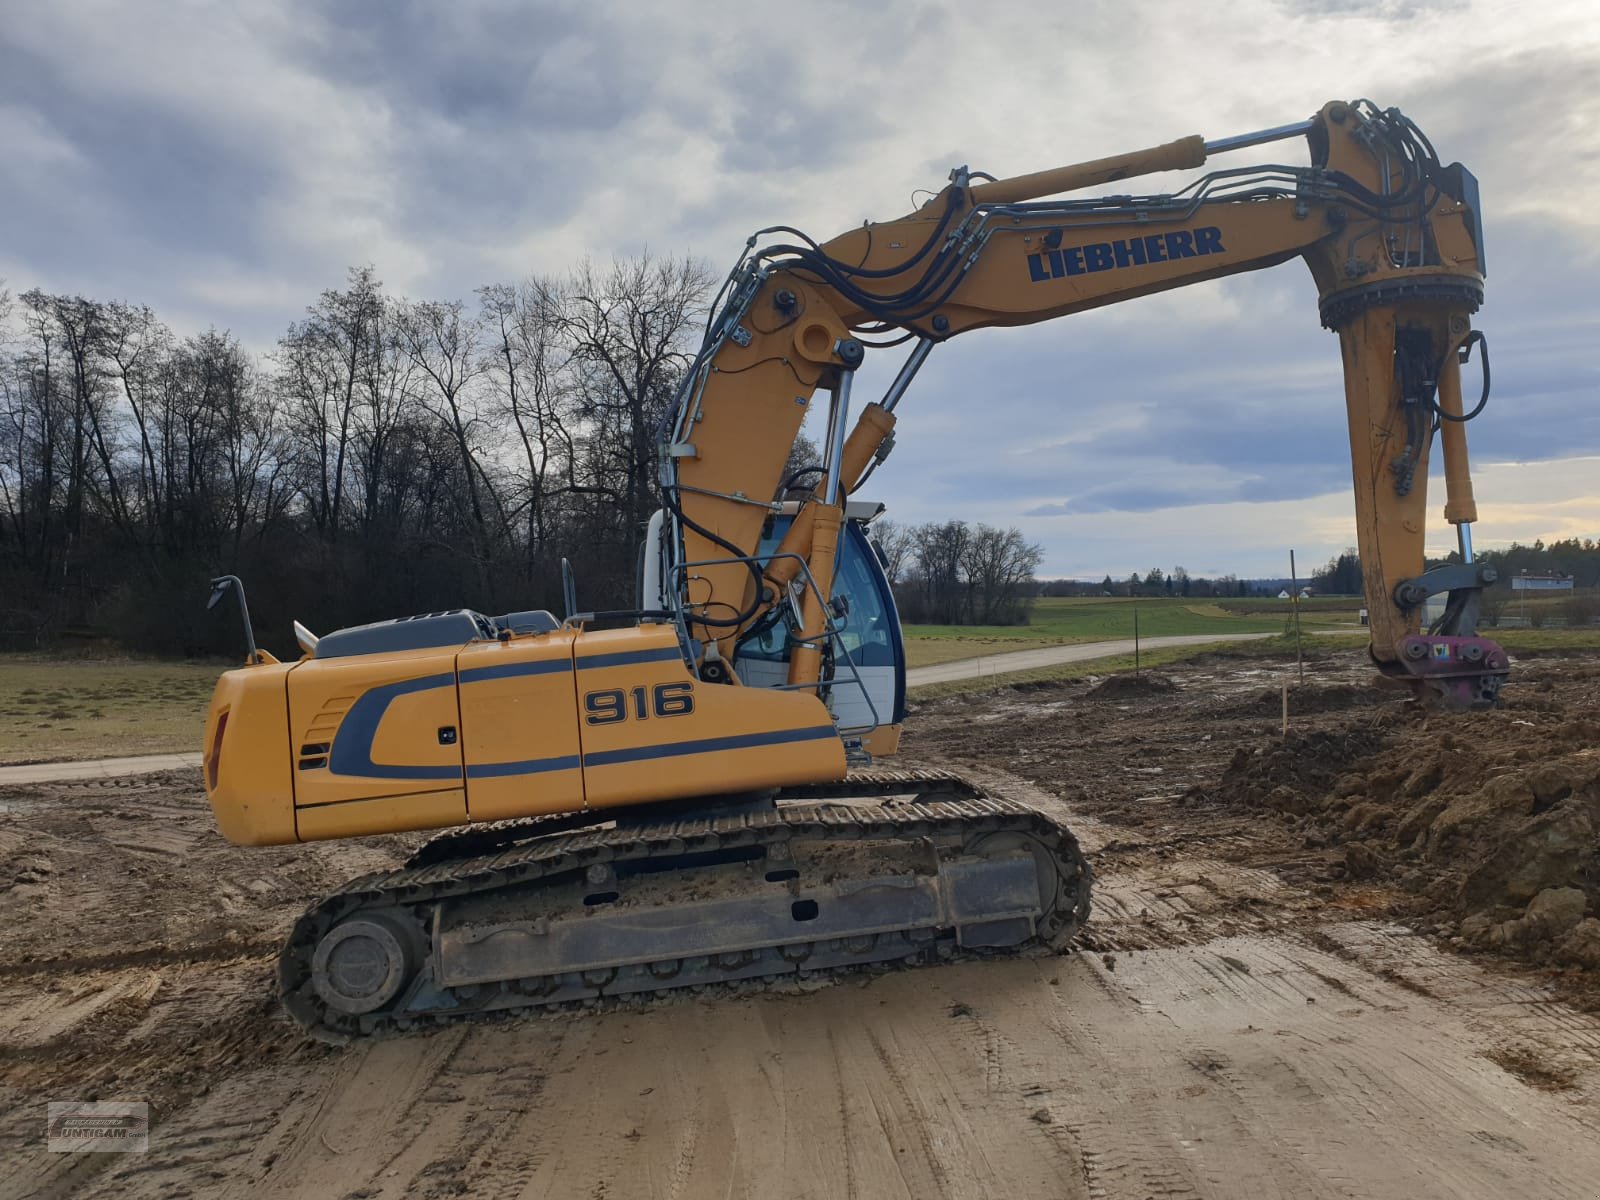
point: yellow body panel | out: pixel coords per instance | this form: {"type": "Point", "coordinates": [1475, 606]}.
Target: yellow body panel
{"type": "Point", "coordinates": [519, 727]}
{"type": "Point", "coordinates": [651, 731]}
{"type": "Point", "coordinates": [379, 721]}
{"type": "Point", "coordinates": [247, 758]}
{"type": "Point", "coordinates": [389, 814]}
{"type": "Point", "coordinates": [882, 741]}
{"type": "Point", "coordinates": [548, 723]}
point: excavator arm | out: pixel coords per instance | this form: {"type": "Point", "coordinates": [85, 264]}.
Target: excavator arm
{"type": "Point", "coordinates": [1394, 242]}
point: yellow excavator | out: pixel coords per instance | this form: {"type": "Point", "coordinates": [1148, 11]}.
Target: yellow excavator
{"type": "Point", "coordinates": [684, 793]}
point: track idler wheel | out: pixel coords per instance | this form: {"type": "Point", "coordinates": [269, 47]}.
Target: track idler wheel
{"type": "Point", "coordinates": [364, 963]}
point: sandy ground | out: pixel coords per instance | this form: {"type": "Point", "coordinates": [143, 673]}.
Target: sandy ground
{"type": "Point", "coordinates": [1245, 1019]}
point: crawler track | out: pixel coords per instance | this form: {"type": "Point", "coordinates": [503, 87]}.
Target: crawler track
{"type": "Point", "coordinates": [922, 879]}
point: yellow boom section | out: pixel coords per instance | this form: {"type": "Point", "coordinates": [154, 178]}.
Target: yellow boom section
{"type": "Point", "coordinates": [1391, 237]}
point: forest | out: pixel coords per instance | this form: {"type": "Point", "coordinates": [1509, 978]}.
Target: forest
{"type": "Point", "coordinates": [387, 456]}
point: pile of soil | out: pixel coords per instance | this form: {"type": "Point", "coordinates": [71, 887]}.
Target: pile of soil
{"type": "Point", "coordinates": [1306, 699]}
{"type": "Point", "coordinates": [1488, 822]}
{"type": "Point", "coordinates": [1131, 686]}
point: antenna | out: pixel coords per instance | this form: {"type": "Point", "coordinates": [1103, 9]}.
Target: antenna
{"type": "Point", "coordinates": [569, 588]}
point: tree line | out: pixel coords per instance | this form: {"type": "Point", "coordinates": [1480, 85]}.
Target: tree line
{"type": "Point", "coordinates": [1155, 582]}
{"type": "Point", "coordinates": [1577, 559]}
{"type": "Point", "coordinates": [956, 573]}
{"type": "Point", "coordinates": [387, 456]}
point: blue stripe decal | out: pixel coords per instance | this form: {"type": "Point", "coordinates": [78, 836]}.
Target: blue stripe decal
{"type": "Point", "coordinates": [547, 666]}
{"type": "Point", "coordinates": [606, 758]}
{"type": "Point", "coordinates": [629, 657]}
{"type": "Point", "coordinates": [532, 766]}
{"type": "Point", "coordinates": [352, 745]}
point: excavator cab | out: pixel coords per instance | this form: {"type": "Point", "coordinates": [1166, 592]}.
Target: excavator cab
{"type": "Point", "coordinates": [868, 684]}
{"type": "Point", "coordinates": [866, 689]}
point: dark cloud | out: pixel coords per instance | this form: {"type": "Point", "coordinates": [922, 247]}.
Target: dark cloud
{"type": "Point", "coordinates": [493, 67]}
{"type": "Point", "coordinates": [140, 182]}
{"type": "Point", "coordinates": [1125, 497]}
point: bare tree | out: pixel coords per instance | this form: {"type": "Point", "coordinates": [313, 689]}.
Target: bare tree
{"type": "Point", "coordinates": [442, 343]}
{"type": "Point", "coordinates": [897, 544]}
{"type": "Point", "coordinates": [997, 566]}
{"type": "Point", "coordinates": [954, 573]}
{"type": "Point", "coordinates": [527, 366]}
{"type": "Point", "coordinates": [628, 329]}
{"type": "Point", "coordinates": [135, 345]}
{"type": "Point", "coordinates": [326, 360]}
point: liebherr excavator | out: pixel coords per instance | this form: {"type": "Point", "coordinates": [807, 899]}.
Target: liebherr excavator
{"type": "Point", "coordinates": [682, 793]}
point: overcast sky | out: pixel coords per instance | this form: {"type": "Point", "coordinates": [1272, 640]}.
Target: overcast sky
{"type": "Point", "coordinates": [225, 162]}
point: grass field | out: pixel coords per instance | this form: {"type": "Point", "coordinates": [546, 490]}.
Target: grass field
{"type": "Point", "coordinates": [52, 709]}
{"type": "Point", "coordinates": [1058, 621]}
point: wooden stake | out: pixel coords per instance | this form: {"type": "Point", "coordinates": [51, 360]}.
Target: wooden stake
{"type": "Point", "coordinates": [1294, 602]}
{"type": "Point", "coordinates": [1286, 708]}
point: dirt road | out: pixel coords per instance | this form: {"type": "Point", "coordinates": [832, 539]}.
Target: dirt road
{"type": "Point", "coordinates": [96, 768]}
{"type": "Point", "coordinates": [1242, 1022]}
{"type": "Point", "coordinates": [1053, 656]}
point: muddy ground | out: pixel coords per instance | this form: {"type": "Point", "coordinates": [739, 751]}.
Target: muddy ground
{"type": "Point", "coordinates": [1349, 962]}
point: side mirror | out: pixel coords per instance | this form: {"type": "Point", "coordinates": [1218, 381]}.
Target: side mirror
{"type": "Point", "coordinates": [219, 588]}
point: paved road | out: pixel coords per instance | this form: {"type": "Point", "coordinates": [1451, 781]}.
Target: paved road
{"type": "Point", "coordinates": [1051, 656]}
{"type": "Point", "coordinates": [96, 768]}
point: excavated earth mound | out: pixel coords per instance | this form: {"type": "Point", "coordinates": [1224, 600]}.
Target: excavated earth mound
{"type": "Point", "coordinates": [1490, 822]}
{"type": "Point", "coordinates": [1131, 687]}
{"type": "Point", "coordinates": [1310, 698]}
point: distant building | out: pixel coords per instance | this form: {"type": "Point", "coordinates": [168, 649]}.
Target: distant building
{"type": "Point", "coordinates": [1526, 582]}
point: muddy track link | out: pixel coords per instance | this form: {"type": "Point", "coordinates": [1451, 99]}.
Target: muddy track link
{"type": "Point", "coordinates": [998, 850]}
